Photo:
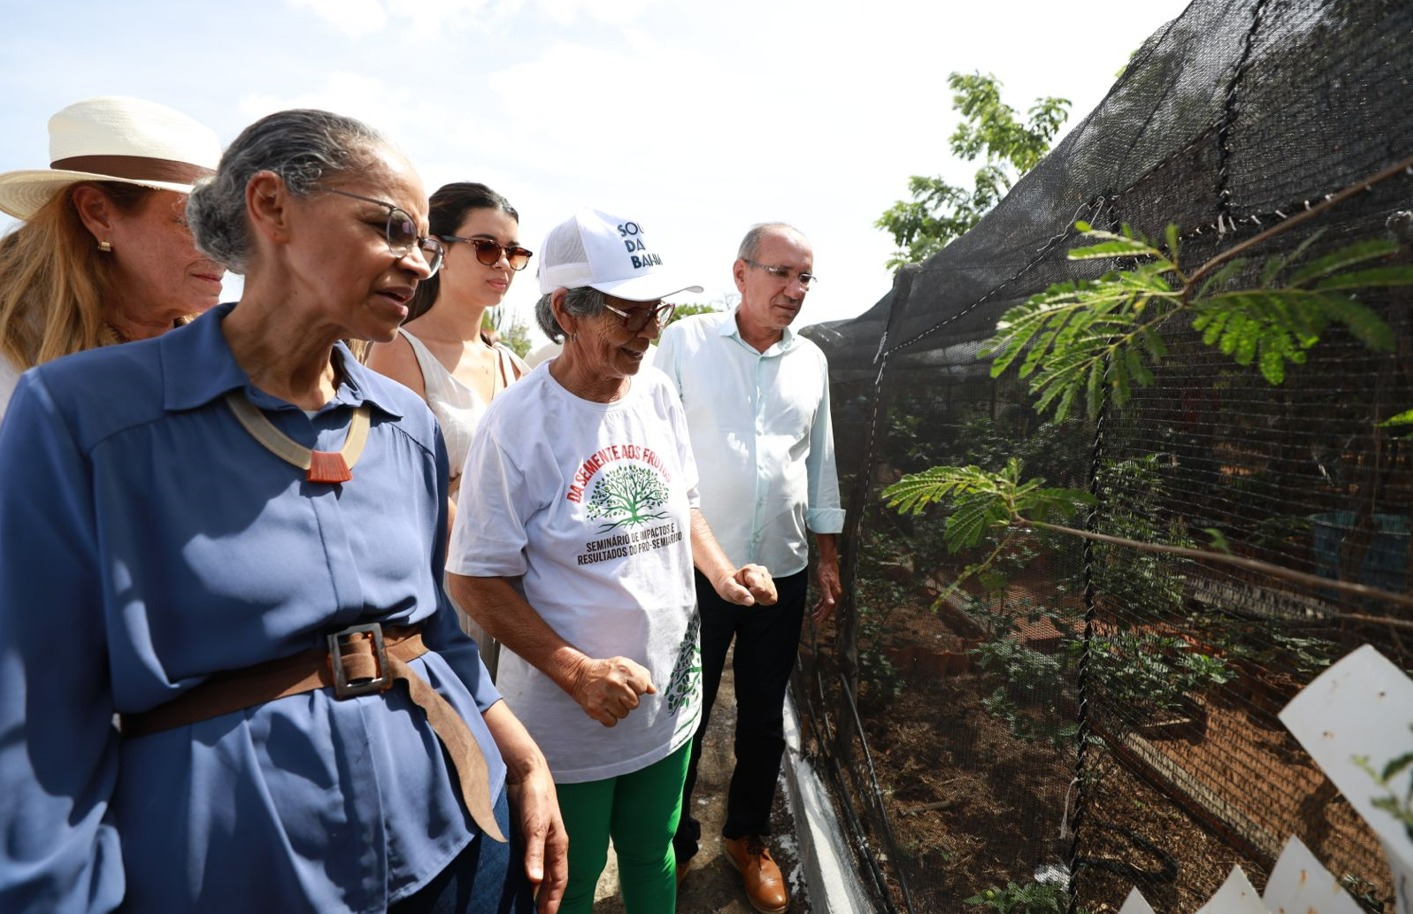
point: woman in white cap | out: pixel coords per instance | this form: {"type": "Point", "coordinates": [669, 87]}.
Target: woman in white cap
{"type": "Point", "coordinates": [442, 353]}
{"type": "Point", "coordinates": [575, 548]}
{"type": "Point", "coordinates": [103, 254]}
{"type": "Point", "coordinates": [231, 537]}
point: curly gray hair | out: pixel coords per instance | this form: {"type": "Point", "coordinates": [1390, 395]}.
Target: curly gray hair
{"type": "Point", "coordinates": [303, 146]}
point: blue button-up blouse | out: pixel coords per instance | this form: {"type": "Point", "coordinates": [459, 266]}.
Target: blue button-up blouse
{"type": "Point", "coordinates": [146, 542]}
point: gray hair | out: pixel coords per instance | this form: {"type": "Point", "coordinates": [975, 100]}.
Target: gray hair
{"type": "Point", "coordinates": [304, 147]}
{"type": "Point", "coordinates": [750, 245]}
{"type": "Point", "coordinates": [584, 301]}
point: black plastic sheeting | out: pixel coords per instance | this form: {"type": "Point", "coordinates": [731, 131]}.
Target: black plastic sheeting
{"type": "Point", "coordinates": [1098, 717]}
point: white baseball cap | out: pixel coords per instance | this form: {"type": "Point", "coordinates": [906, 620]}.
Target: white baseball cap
{"type": "Point", "coordinates": [607, 253]}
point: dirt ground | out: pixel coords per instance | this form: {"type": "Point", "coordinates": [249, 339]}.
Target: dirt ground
{"type": "Point", "coordinates": [976, 807]}
{"type": "Point", "coordinates": [712, 885]}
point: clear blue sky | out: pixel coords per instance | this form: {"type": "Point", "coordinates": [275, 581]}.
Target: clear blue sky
{"type": "Point", "coordinates": [696, 119]}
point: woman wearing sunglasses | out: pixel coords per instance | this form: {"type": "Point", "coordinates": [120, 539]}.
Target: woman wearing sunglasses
{"type": "Point", "coordinates": [441, 352]}
{"type": "Point", "coordinates": [230, 538]}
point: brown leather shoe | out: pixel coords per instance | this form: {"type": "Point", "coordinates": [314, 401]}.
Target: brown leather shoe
{"type": "Point", "coordinates": [765, 887]}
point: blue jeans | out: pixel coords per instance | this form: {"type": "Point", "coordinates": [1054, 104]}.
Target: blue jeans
{"type": "Point", "coordinates": [486, 878]}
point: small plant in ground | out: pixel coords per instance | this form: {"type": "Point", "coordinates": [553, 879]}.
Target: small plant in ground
{"type": "Point", "coordinates": [1029, 678]}
{"type": "Point", "coordinates": [1148, 673]}
{"type": "Point", "coordinates": [1201, 672]}
{"type": "Point", "coordinates": [1366, 893]}
{"type": "Point", "coordinates": [1307, 657]}
{"type": "Point", "coordinates": [1399, 801]}
{"type": "Point", "coordinates": [1031, 898]}
{"type": "Point", "coordinates": [879, 677]}
{"type": "Point", "coordinates": [1055, 450]}
{"type": "Point", "coordinates": [879, 596]}
{"type": "Point", "coordinates": [1135, 491]}
{"type": "Point", "coordinates": [1256, 643]}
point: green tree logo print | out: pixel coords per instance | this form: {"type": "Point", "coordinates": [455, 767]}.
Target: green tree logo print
{"type": "Point", "coordinates": [627, 496]}
{"type": "Point", "coordinates": [686, 679]}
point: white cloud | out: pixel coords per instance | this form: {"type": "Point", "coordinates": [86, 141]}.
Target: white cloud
{"type": "Point", "coordinates": [411, 23]}
{"type": "Point", "coordinates": [586, 109]}
{"type": "Point", "coordinates": [377, 103]}
{"type": "Point", "coordinates": [354, 18]}
{"type": "Point", "coordinates": [570, 12]}
{"type": "Point", "coordinates": [696, 118]}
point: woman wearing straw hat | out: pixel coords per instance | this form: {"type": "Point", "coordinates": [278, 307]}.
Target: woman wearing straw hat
{"type": "Point", "coordinates": [232, 537]}
{"type": "Point", "coordinates": [104, 254]}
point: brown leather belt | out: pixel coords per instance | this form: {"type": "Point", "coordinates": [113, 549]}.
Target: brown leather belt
{"type": "Point", "coordinates": [359, 660]}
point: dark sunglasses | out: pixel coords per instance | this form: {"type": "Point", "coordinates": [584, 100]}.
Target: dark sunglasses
{"type": "Point", "coordinates": [401, 233]}
{"type": "Point", "coordinates": [489, 253]}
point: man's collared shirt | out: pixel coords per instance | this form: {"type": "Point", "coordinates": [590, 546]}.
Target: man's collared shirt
{"type": "Point", "coordinates": [762, 437]}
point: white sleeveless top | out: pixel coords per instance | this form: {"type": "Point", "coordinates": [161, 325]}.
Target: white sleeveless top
{"type": "Point", "coordinates": [457, 407]}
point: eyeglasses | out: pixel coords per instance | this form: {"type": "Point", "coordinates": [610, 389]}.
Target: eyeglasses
{"type": "Point", "coordinates": [634, 321]}
{"type": "Point", "coordinates": [783, 273]}
{"type": "Point", "coordinates": [490, 253]}
{"type": "Point", "coordinates": [401, 232]}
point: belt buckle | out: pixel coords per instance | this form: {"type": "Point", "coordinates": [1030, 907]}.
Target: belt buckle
{"type": "Point", "coordinates": [345, 687]}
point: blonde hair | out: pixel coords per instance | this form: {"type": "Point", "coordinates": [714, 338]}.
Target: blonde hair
{"type": "Point", "coordinates": [54, 281]}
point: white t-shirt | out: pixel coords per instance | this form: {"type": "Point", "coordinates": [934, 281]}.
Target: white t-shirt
{"type": "Point", "coordinates": [585, 508]}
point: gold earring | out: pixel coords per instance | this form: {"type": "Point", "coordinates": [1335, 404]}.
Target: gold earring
{"type": "Point", "coordinates": [105, 247]}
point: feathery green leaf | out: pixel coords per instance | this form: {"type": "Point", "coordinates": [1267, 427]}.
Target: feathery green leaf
{"type": "Point", "coordinates": [1342, 259]}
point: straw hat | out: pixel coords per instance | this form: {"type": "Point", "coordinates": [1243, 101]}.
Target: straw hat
{"type": "Point", "coordinates": [114, 139]}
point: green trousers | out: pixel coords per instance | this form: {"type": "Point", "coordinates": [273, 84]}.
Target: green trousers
{"type": "Point", "coordinates": [639, 811]}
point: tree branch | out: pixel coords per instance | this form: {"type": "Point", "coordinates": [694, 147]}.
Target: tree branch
{"type": "Point", "coordinates": [1329, 202]}
{"type": "Point", "coordinates": [1277, 571]}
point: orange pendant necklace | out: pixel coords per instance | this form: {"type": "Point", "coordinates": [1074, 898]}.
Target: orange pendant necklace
{"type": "Point", "coordinates": [319, 466]}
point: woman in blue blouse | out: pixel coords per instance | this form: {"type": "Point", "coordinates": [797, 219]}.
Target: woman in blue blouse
{"type": "Point", "coordinates": [229, 679]}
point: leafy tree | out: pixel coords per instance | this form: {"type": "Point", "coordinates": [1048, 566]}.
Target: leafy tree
{"type": "Point", "coordinates": [991, 131]}
{"type": "Point", "coordinates": [625, 495]}
{"type": "Point", "coordinates": [1078, 341]}
{"type": "Point", "coordinates": [687, 309]}
{"type": "Point", "coordinates": [516, 336]}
